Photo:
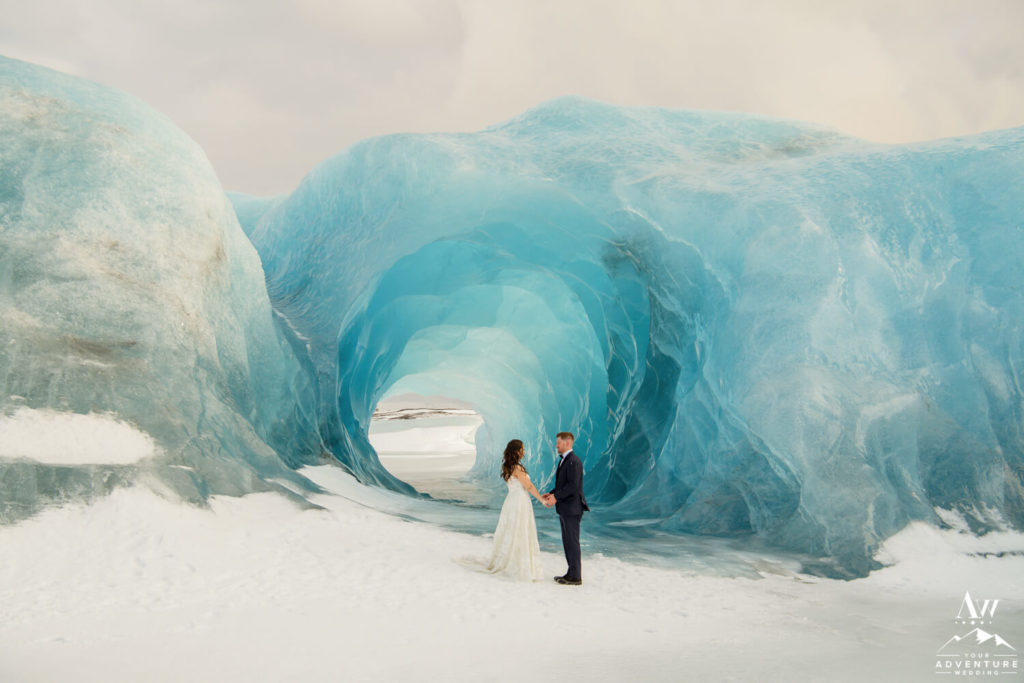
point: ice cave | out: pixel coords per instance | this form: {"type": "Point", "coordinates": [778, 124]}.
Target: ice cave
{"type": "Point", "coordinates": [758, 328]}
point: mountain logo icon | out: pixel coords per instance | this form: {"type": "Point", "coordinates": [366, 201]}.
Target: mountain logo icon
{"type": "Point", "coordinates": [975, 640]}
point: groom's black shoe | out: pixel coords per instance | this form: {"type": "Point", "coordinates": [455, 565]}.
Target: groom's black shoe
{"type": "Point", "coordinates": [566, 581]}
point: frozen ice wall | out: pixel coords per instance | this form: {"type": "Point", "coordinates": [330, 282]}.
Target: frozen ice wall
{"type": "Point", "coordinates": [129, 292]}
{"type": "Point", "coordinates": [755, 326]}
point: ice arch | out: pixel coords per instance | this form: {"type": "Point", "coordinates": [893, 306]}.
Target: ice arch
{"type": "Point", "coordinates": [510, 314]}
{"type": "Point", "coordinates": [758, 320]}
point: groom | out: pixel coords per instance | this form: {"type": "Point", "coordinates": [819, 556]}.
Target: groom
{"type": "Point", "coordinates": [570, 504]}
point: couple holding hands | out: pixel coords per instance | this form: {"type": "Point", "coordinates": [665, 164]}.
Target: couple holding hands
{"type": "Point", "coordinates": [516, 550]}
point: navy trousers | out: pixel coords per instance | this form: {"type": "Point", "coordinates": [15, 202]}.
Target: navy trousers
{"type": "Point", "coordinates": [571, 544]}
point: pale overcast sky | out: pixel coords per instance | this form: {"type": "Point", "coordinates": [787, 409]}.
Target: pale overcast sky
{"type": "Point", "coordinates": [270, 88]}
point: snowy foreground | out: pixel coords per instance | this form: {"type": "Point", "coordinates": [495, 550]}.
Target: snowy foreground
{"type": "Point", "coordinates": [140, 588]}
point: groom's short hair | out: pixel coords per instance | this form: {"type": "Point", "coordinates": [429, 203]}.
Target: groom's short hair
{"type": "Point", "coordinates": [565, 436]}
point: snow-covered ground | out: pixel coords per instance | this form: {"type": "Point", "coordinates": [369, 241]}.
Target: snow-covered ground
{"type": "Point", "coordinates": [58, 438]}
{"type": "Point", "coordinates": [140, 588]}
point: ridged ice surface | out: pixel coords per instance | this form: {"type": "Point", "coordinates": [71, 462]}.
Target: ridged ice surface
{"type": "Point", "coordinates": [755, 327]}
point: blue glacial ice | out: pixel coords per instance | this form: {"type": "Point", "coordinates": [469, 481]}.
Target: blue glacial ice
{"type": "Point", "coordinates": [756, 327]}
{"type": "Point", "coordinates": [128, 288]}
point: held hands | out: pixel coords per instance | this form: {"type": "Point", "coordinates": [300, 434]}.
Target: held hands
{"type": "Point", "coordinates": [548, 500]}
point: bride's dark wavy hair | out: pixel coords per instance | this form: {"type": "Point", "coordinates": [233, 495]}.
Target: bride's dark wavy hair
{"type": "Point", "coordinates": [513, 454]}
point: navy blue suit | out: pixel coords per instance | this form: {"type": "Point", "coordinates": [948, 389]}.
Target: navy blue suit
{"type": "Point", "coordinates": [570, 504]}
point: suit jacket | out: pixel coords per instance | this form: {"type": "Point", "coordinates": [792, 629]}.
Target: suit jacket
{"type": "Point", "coordinates": [568, 491]}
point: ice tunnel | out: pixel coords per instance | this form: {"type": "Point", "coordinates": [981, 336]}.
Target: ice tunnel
{"type": "Point", "coordinates": [756, 327]}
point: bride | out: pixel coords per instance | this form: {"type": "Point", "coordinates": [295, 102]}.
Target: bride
{"type": "Point", "coordinates": [516, 551]}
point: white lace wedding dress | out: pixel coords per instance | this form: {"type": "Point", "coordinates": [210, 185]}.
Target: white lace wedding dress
{"type": "Point", "coordinates": [516, 550]}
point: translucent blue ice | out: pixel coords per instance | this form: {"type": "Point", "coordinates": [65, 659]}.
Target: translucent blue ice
{"type": "Point", "coordinates": [127, 287]}
{"type": "Point", "coordinates": [756, 327]}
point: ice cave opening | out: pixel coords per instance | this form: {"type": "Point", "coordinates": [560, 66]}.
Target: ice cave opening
{"type": "Point", "coordinates": [428, 442]}
{"type": "Point", "coordinates": [510, 336]}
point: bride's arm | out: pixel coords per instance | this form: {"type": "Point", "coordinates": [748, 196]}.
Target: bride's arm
{"type": "Point", "coordinates": [524, 479]}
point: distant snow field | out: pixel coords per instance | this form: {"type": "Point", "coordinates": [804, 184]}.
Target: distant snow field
{"type": "Point", "coordinates": [58, 438]}
{"type": "Point", "coordinates": [427, 442]}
